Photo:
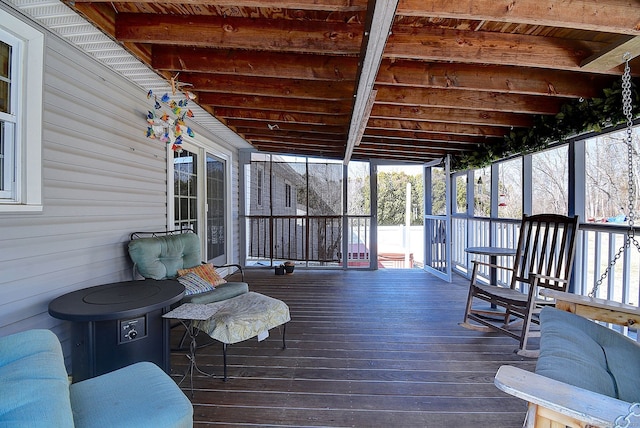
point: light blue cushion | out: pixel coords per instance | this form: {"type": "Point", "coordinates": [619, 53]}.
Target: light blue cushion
{"type": "Point", "coordinates": [160, 257]}
{"type": "Point", "coordinates": [623, 361]}
{"type": "Point", "coordinates": [33, 381]}
{"type": "Point", "coordinates": [221, 292]}
{"type": "Point", "coordinates": [138, 396]}
{"type": "Point", "coordinates": [580, 352]}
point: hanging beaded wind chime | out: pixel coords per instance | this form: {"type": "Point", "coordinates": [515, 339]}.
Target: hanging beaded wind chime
{"type": "Point", "coordinates": [169, 125]}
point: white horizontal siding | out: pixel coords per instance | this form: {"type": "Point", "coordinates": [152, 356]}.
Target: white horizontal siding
{"type": "Point", "coordinates": [102, 180]}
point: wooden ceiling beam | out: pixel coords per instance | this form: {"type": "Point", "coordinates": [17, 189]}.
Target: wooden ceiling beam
{"type": "Point", "coordinates": [614, 55]}
{"type": "Point", "coordinates": [492, 78]}
{"type": "Point", "coordinates": [378, 27]}
{"type": "Point", "coordinates": [329, 38]}
{"type": "Point", "coordinates": [283, 76]}
{"type": "Point", "coordinates": [255, 63]}
{"type": "Point", "coordinates": [268, 86]}
{"type": "Point", "coordinates": [274, 103]}
{"type": "Point", "coordinates": [295, 139]}
{"type": "Point", "coordinates": [303, 149]}
{"type": "Point", "coordinates": [290, 128]}
{"type": "Point", "coordinates": [400, 150]}
{"type": "Point", "coordinates": [439, 128]}
{"type": "Point", "coordinates": [477, 47]}
{"type": "Point", "coordinates": [328, 5]}
{"type": "Point", "coordinates": [380, 142]}
{"type": "Point", "coordinates": [452, 115]}
{"type": "Point", "coordinates": [318, 121]}
{"type": "Point", "coordinates": [428, 137]}
{"type": "Point", "coordinates": [393, 155]}
{"type": "Point", "coordinates": [472, 100]}
{"type": "Point", "coordinates": [103, 16]}
{"type": "Point", "coordinates": [609, 16]}
{"type": "Point", "coordinates": [310, 144]}
{"type": "Point", "coordinates": [276, 127]}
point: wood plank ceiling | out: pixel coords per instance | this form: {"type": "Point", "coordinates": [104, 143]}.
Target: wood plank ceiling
{"type": "Point", "coordinates": [450, 75]}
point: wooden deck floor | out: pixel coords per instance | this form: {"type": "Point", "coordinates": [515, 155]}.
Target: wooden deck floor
{"type": "Point", "coordinates": [364, 349]}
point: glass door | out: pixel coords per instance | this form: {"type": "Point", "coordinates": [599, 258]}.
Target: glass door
{"type": "Point", "coordinates": [216, 210]}
{"type": "Point", "coordinates": [437, 220]}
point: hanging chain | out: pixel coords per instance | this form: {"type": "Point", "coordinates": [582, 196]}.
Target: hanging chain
{"type": "Point", "coordinates": [625, 421]}
{"type": "Point", "coordinates": [627, 111]}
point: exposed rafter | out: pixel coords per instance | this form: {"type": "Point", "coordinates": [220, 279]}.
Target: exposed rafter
{"type": "Point", "coordinates": [613, 55]}
{"type": "Point", "coordinates": [449, 77]}
{"type": "Point", "coordinates": [378, 32]}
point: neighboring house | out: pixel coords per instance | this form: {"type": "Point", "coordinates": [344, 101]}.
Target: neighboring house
{"type": "Point", "coordinates": [88, 178]}
{"type": "Point", "coordinates": [291, 203]}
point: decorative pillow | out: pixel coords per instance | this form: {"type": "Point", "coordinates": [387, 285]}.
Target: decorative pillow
{"type": "Point", "coordinates": [206, 272]}
{"type": "Point", "coordinates": [193, 284]}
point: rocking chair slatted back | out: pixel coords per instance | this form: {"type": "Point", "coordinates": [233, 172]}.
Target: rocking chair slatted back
{"type": "Point", "coordinates": [546, 247]}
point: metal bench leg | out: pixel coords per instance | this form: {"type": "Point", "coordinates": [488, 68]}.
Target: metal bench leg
{"type": "Point", "coordinates": [284, 334]}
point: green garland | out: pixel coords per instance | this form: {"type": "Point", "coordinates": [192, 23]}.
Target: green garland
{"type": "Point", "coordinates": [575, 117]}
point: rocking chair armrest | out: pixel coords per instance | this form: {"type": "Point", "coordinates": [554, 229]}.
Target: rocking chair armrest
{"type": "Point", "coordinates": [490, 265]}
{"type": "Point", "coordinates": [548, 278]}
{"type": "Point", "coordinates": [477, 263]}
{"type": "Point", "coordinates": [560, 401]}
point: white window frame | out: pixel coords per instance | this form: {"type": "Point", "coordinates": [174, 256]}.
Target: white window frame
{"type": "Point", "coordinates": [26, 192]}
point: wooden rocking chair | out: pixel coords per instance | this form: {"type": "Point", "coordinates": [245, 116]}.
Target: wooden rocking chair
{"type": "Point", "coordinates": [544, 259]}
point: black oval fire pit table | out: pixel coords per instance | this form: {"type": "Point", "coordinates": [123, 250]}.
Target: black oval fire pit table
{"type": "Point", "coordinates": [118, 324]}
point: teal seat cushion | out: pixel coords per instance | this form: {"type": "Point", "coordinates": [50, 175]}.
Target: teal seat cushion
{"type": "Point", "coordinates": [137, 396]}
{"type": "Point", "coordinates": [580, 352]}
{"type": "Point", "coordinates": [160, 257]}
{"type": "Point", "coordinates": [33, 381]}
{"type": "Point", "coordinates": [221, 292]}
{"type": "Point", "coordinates": [623, 361]}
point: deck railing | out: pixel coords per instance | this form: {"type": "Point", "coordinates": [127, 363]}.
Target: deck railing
{"type": "Point", "coordinates": [597, 247]}
{"type": "Point", "coordinates": [316, 240]}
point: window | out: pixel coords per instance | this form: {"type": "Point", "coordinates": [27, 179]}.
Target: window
{"type": "Point", "coordinates": [607, 177]}
{"type": "Point", "coordinates": [259, 178]}
{"type": "Point", "coordinates": [510, 189]}
{"type": "Point", "coordinates": [287, 195]}
{"type": "Point", "coordinates": [550, 181]}
{"type": "Point", "coordinates": [9, 55]}
{"type": "Point", "coordinates": [461, 193]}
{"type": "Point", "coordinates": [20, 115]}
{"type": "Point", "coordinates": [185, 193]}
{"type": "Point", "coordinates": [482, 192]}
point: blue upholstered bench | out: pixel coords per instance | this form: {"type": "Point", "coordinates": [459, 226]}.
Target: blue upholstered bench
{"type": "Point", "coordinates": [582, 353]}
{"type": "Point", "coordinates": [586, 373]}
{"type": "Point", "coordinates": [35, 390]}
